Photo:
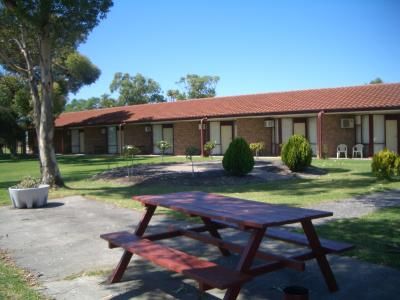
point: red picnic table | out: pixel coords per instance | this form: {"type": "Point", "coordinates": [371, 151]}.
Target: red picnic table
{"type": "Point", "coordinates": [217, 213]}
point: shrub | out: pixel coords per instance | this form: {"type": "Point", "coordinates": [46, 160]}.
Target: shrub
{"type": "Point", "coordinates": [297, 153]}
{"type": "Point", "coordinates": [238, 159]}
{"type": "Point", "coordinates": [385, 164]}
{"type": "Point", "coordinates": [163, 146]}
{"type": "Point", "coordinates": [28, 182]}
{"type": "Point", "coordinates": [257, 147]}
{"type": "Point", "coordinates": [130, 151]}
{"type": "Point", "coordinates": [209, 147]}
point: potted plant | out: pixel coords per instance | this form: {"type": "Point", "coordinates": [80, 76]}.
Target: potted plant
{"type": "Point", "coordinates": [29, 193]}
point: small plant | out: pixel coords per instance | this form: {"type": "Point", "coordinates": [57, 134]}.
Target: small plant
{"type": "Point", "coordinates": [257, 147]}
{"type": "Point", "coordinates": [209, 147]}
{"type": "Point", "coordinates": [385, 164]}
{"type": "Point", "coordinates": [129, 152]}
{"type": "Point", "coordinates": [238, 159]}
{"type": "Point", "coordinates": [189, 152]}
{"type": "Point", "coordinates": [28, 182]}
{"type": "Point", "coordinates": [163, 146]}
{"type": "Point", "coordinates": [297, 153]}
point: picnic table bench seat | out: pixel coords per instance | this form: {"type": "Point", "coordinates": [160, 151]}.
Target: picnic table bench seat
{"type": "Point", "coordinates": [329, 246]}
{"type": "Point", "coordinates": [207, 273]}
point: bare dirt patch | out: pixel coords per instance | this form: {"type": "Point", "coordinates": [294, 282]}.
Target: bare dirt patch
{"type": "Point", "coordinates": [205, 174]}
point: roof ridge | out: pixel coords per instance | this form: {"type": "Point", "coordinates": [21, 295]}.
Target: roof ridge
{"type": "Point", "coordinates": [231, 96]}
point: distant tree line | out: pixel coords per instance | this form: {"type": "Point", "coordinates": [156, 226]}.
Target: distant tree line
{"type": "Point", "coordinates": [139, 89]}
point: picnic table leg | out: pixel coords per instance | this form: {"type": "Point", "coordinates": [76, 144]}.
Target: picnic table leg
{"type": "Point", "coordinates": [320, 256]}
{"type": "Point", "coordinates": [212, 229]}
{"type": "Point", "coordinates": [246, 259]}
{"type": "Point", "coordinates": [126, 256]}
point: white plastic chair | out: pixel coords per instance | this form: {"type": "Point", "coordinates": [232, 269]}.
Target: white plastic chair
{"type": "Point", "coordinates": [342, 148]}
{"type": "Point", "coordinates": [358, 149]}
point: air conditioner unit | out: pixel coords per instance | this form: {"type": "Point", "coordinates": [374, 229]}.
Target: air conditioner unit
{"type": "Point", "coordinates": [269, 123]}
{"type": "Point", "coordinates": [147, 129]}
{"type": "Point", "coordinates": [347, 123]}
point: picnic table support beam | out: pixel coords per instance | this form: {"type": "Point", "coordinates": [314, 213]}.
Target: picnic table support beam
{"type": "Point", "coordinates": [212, 229]}
{"type": "Point", "coordinates": [246, 259]}
{"type": "Point", "coordinates": [126, 256]}
{"type": "Point", "coordinates": [320, 256]}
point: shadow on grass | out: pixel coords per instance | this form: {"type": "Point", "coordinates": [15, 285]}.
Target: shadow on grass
{"type": "Point", "coordinates": [376, 237]}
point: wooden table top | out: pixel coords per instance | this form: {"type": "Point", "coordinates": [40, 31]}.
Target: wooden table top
{"type": "Point", "coordinates": [233, 210]}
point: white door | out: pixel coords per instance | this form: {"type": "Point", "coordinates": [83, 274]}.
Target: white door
{"type": "Point", "coordinates": [82, 141]}
{"type": "Point", "coordinates": [112, 141]}
{"type": "Point", "coordinates": [287, 129]}
{"type": "Point", "coordinates": [168, 136]}
{"type": "Point", "coordinates": [215, 136]}
{"type": "Point", "coordinates": [226, 137]}
{"type": "Point", "coordinates": [157, 136]}
{"type": "Point", "coordinates": [75, 141]}
{"type": "Point", "coordinates": [391, 135]}
{"type": "Point", "coordinates": [299, 129]}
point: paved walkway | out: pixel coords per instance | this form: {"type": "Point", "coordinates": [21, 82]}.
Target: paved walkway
{"type": "Point", "coordinates": [62, 240]}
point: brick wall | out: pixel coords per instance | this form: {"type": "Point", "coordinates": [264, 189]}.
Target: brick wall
{"type": "Point", "coordinates": [136, 135]}
{"type": "Point", "coordinates": [186, 134]}
{"type": "Point", "coordinates": [333, 134]}
{"type": "Point", "coordinates": [253, 131]}
{"type": "Point", "coordinates": [95, 141]}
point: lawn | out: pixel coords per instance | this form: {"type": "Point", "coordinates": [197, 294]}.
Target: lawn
{"type": "Point", "coordinates": [376, 236]}
{"type": "Point", "coordinates": [343, 179]}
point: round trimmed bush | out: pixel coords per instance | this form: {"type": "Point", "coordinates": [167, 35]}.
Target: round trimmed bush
{"type": "Point", "coordinates": [297, 153]}
{"type": "Point", "coordinates": [385, 164]}
{"type": "Point", "coordinates": [238, 159]}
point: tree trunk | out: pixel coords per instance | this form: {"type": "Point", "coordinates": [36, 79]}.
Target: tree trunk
{"type": "Point", "coordinates": [50, 171]}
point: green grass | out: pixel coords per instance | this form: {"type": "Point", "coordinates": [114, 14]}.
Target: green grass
{"type": "Point", "coordinates": [376, 236]}
{"type": "Point", "coordinates": [13, 286]}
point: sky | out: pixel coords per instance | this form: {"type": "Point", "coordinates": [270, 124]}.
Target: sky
{"type": "Point", "coordinates": [253, 46]}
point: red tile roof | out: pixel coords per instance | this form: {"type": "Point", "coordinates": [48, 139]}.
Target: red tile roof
{"type": "Point", "coordinates": [366, 97]}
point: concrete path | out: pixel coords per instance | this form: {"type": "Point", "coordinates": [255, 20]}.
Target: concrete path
{"type": "Point", "coordinates": [60, 242]}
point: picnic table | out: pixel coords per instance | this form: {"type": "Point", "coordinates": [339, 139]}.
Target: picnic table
{"type": "Point", "coordinates": [218, 212]}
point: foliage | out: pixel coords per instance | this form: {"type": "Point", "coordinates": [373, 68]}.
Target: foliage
{"type": "Point", "coordinates": [385, 164]}
{"type": "Point", "coordinates": [297, 153]}
{"type": "Point", "coordinates": [103, 101]}
{"type": "Point", "coordinates": [189, 153]}
{"type": "Point", "coordinates": [28, 182]}
{"type": "Point", "coordinates": [10, 130]}
{"type": "Point", "coordinates": [257, 147]}
{"type": "Point", "coordinates": [163, 146]}
{"type": "Point", "coordinates": [130, 151]}
{"type": "Point", "coordinates": [136, 89]}
{"type": "Point", "coordinates": [194, 87]}
{"type": "Point", "coordinates": [39, 41]}
{"type": "Point", "coordinates": [209, 147]}
{"type": "Point", "coordinates": [377, 80]}
{"type": "Point", "coordinates": [238, 159]}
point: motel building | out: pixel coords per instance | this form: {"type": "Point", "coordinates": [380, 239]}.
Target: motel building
{"type": "Point", "coordinates": [367, 115]}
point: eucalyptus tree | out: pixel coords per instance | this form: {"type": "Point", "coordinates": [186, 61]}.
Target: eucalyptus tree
{"type": "Point", "coordinates": [38, 41]}
{"type": "Point", "coordinates": [195, 87]}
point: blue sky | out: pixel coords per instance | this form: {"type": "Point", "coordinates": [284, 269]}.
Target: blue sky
{"type": "Point", "coordinates": [254, 46]}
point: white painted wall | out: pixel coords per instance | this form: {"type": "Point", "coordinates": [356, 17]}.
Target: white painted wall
{"type": "Point", "coordinates": [287, 129]}
{"type": "Point", "coordinates": [312, 134]}
{"type": "Point", "coordinates": [157, 136]}
{"type": "Point", "coordinates": [379, 132]}
{"type": "Point", "coordinates": [215, 136]}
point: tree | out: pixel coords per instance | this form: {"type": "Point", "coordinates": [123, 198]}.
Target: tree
{"type": "Point", "coordinates": [136, 89]}
{"type": "Point", "coordinates": [10, 131]}
{"type": "Point", "coordinates": [194, 87]}
{"type": "Point", "coordinates": [377, 80]}
{"type": "Point", "coordinates": [38, 41]}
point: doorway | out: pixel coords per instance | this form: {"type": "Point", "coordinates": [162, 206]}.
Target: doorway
{"type": "Point", "coordinates": [226, 136]}
{"type": "Point", "coordinates": [392, 140]}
